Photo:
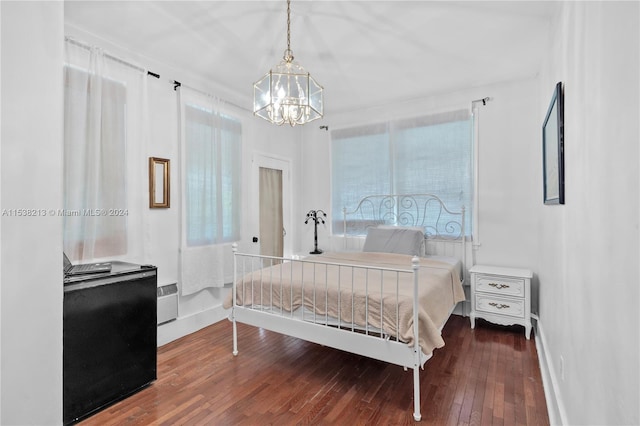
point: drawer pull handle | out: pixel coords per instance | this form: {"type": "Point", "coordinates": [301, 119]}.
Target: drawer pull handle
{"type": "Point", "coordinates": [499, 286]}
{"type": "Point", "coordinates": [498, 305]}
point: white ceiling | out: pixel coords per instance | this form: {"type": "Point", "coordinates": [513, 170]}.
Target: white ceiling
{"type": "Point", "coordinates": [362, 52]}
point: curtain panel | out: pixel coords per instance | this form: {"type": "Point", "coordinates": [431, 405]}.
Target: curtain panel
{"type": "Point", "coordinates": [426, 154]}
{"type": "Point", "coordinates": [104, 135]}
{"type": "Point", "coordinates": [210, 162]}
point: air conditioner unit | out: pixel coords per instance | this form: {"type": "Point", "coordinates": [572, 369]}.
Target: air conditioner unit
{"type": "Point", "coordinates": [167, 303]}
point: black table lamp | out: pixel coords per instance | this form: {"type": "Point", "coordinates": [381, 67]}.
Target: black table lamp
{"type": "Point", "coordinates": [314, 215]}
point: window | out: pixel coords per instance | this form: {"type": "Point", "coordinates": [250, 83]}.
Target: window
{"type": "Point", "coordinates": [212, 176]}
{"type": "Point", "coordinates": [429, 154]}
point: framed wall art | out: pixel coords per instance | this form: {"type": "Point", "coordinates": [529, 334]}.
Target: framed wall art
{"type": "Point", "coordinates": [159, 188]}
{"type": "Point", "coordinates": [553, 149]}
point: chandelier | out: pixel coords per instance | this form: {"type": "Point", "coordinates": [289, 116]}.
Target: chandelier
{"type": "Point", "coordinates": [288, 93]}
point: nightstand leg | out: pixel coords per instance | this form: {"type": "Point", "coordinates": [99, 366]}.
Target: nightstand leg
{"type": "Point", "coordinates": [527, 331]}
{"type": "Point", "coordinates": [472, 318]}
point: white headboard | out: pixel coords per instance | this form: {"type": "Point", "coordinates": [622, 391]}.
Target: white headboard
{"type": "Point", "coordinates": [444, 228]}
{"type": "Point", "coordinates": [427, 211]}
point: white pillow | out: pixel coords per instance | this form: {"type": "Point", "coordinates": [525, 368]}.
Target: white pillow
{"type": "Point", "coordinates": [394, 239]}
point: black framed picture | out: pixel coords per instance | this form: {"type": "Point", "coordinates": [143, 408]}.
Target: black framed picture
{"type": "Point", "coordinates": [553, 149]}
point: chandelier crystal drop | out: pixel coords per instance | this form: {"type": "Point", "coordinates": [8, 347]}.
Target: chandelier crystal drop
{"type": "Point", "coordinates": [288, 93]}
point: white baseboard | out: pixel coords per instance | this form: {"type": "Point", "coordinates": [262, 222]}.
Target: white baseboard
{"type": "Point", "coordinates": [555, 404]}
{"type": "Point", "coordinates": [182, 326]}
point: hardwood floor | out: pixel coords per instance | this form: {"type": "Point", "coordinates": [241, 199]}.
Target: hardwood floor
{"type": "Point", "coordinates": [489, 375]}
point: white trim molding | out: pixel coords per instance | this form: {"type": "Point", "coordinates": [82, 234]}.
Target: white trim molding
{"type": "Point", "coordinates": [553, 397]}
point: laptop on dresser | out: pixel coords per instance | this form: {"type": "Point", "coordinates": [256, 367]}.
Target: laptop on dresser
{"type": "Point", "coordinates": [87, 268]}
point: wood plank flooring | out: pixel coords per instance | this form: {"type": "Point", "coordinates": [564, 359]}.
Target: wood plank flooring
{"type": "Point", "coordinates": [489, 375]}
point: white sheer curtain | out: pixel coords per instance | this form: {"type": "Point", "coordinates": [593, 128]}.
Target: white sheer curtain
{"type": "Point", "coordinates": [104, 125]}
{"type": "Point", "coordinates": [426, 154]}
{"type": "Point", "coordinates": [210, 150]}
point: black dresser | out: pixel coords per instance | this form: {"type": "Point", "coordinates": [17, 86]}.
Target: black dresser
{"type": "Point", "coordinates": [109, 337]}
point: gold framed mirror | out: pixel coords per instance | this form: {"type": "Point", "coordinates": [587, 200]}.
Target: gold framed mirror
{"type": "Point", "coordinates": [159, 188]}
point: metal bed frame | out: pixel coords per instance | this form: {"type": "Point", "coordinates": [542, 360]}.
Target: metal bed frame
{"type": "Point", "coordinates": [406, 210]}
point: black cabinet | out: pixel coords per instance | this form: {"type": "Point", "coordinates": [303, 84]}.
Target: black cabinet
{"type": "Point", "coordinates": [109, 338]}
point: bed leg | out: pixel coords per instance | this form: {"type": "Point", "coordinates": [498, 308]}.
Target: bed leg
{"type": "Point", "coordinates": [234, 248]}
{"type": "Point", "coordinates": [235, 338]}
{"type": "Point", "coordinates": [416, 394]}
{"type": "Point", "coordinates": [415, 264]}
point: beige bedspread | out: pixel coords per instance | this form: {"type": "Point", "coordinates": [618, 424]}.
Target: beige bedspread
{"type": "Point", "coordinates": [285, 286]}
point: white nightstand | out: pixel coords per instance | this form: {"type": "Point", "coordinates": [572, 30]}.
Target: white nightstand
{"type": "Point", "coordinates": [501, 296]}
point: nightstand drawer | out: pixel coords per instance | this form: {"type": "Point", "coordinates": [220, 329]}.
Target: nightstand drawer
{"type": "Point", "coordinates": [502, 306]}
{"type": "Point", "coordinates": [500, 285]}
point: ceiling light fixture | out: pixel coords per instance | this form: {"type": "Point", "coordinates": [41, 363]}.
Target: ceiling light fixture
{"type": "Point", "coordinates": [288, 93]}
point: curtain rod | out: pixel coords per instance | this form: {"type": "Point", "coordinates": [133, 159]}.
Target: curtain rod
{"type": "Point", "coordinates": [483, 100]}
{"type": "Point", "coordinates": [177, 84]}
{"type": "Point", "coordinates": [113, 58]}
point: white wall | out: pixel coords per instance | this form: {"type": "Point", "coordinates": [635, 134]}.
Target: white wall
{"type": "Point", "coordinates": [31, 302]}
{"type": "Point", "coordinates": [588, 248]}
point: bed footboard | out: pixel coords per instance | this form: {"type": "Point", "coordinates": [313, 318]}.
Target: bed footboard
{"type": "Point", "coordinates": [367, 300]}
{"type": "Point", "coordinates": [359, 309]}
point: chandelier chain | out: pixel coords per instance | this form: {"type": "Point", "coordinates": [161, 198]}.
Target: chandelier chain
{"type": "Point", "coordinates": [288, 54]}
{"type": "Point", "coordinates": [289, 25]}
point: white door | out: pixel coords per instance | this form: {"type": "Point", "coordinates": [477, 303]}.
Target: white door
{"type": "Point", "coordinates": [273, 193]}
